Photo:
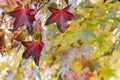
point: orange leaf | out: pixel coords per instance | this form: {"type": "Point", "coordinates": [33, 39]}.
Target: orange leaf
{"type": "Point", "coordinates": [2, 43]}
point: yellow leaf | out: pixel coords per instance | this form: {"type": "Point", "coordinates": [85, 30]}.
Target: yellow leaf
{"type": "Point", "coordinates": [75, 66]}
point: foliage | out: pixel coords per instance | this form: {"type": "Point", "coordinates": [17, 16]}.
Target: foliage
{"type": "Point", "coordinates": [83, 44]}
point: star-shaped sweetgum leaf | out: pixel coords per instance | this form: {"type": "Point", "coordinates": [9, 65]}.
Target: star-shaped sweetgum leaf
{"type": "Point", "coordinates": [33, 48]}
{"type": "Point", "coordinates": [60, 17]}
{"type": "Point", "coordinates": [23, 15]}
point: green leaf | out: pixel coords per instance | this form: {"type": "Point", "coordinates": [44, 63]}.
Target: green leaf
{"type": "Point", "coordinates": [36, 35]}
{"type": "Point", "coordinates": [106, 73]}
{"type": "Point", "coordinates": [101, 40]}
{"type": "Point", "coordinates": [86, 34]}
{"type": "Point", "coordinates": [116, 46]}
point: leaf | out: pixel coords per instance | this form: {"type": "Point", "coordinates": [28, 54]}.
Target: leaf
{"type": "Point", "coordinates": [106, 72]}
{"type": "Point", "coordinates": [21, 36]}
{"type": "Point", "coordinates": [18, 48]}
{"type": "Point", "coordinates": [23, 15]}
{"type": "Point", "coordinates": [68, 76]}
{"type": "Point", "coordinates": [60, 17]}
{"type": "Point", "coordinates": [14, 44]}
{"type": "Point", "coordinates": [14, 35]}
{"type": "Point", "coordinates": [87, 76]}
{"type": "Point", "coordinates": [105, 1]}
{"type": "Point", "coordinates": [27, 72]}
{"type": "Point", "coordinates": [85, 51]}
{"type": "Point", "coordinates": [36, 73]}
{"type": "Point", "coordinates": [38, 27]}
{"type": "Point", "coordinates": [85, 34]}
{"type": "Point", "coordinates": [15, 38]}
{"type": "Point", "coordinates": [17, 76]}
{"type": "Point", "coordinates": [36, 35]}
{"type": "Point", "coordinates": [74, 50]}
{"type": "Point", "coordinates": [33, 48]}
{"type": "Point", "coordinates": [2, 43]}
{"type": "Point", "coordinates": [74, 66]}
{"type": "Point", "coordinates": [10, 76]}
{"type": "Point", "coordinates": [54, 5]}
{"type": "Point", "coordinates": [1, 17]}
{"type": "Point", "coordinates": [40, 1]}
{"type": "Point", "coordinates": [65, 65]}
{"type": "Point", "coordinates": [116, 46]}
{"type": "Point", "coordinates": [9, 4]}
{"type": "Point", "coordinates": [67, 1]}
{"type": "Point", "coordinates": [92, 64]}
{"type": "Point", "coordinates": [82, 50]}
{"type": "Point", "coordinates": [116, 23]}
{"type": "Point", "coordinates": [101, 40]}
{"type": "Point", "coordinates": [73, 2]}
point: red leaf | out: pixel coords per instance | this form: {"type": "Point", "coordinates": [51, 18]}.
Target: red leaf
{"type": "Point", "coordinates": [68, 75]}
{"type": "Point", "coordinates": [60, 17]}
{"type": "Point", "coordinates": [75, 74]}
{"type": "Point", "coordinates": [88, 75]}
{"type": "Point", "coordinates": [23, 16]}
{"type": "Point", "coordinates": [33, 48]}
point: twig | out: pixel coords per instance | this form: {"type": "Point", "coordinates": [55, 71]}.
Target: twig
{"type": "Point", "coordinates": [105, 54]}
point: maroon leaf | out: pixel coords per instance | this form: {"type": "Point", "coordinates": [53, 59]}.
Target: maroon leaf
{"type": "Point", "coordinates": [33, 48]}
{"type": "Point", "coordinates": [23, 16]}
{"type": "Point", "coordinates": [60, 17]}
